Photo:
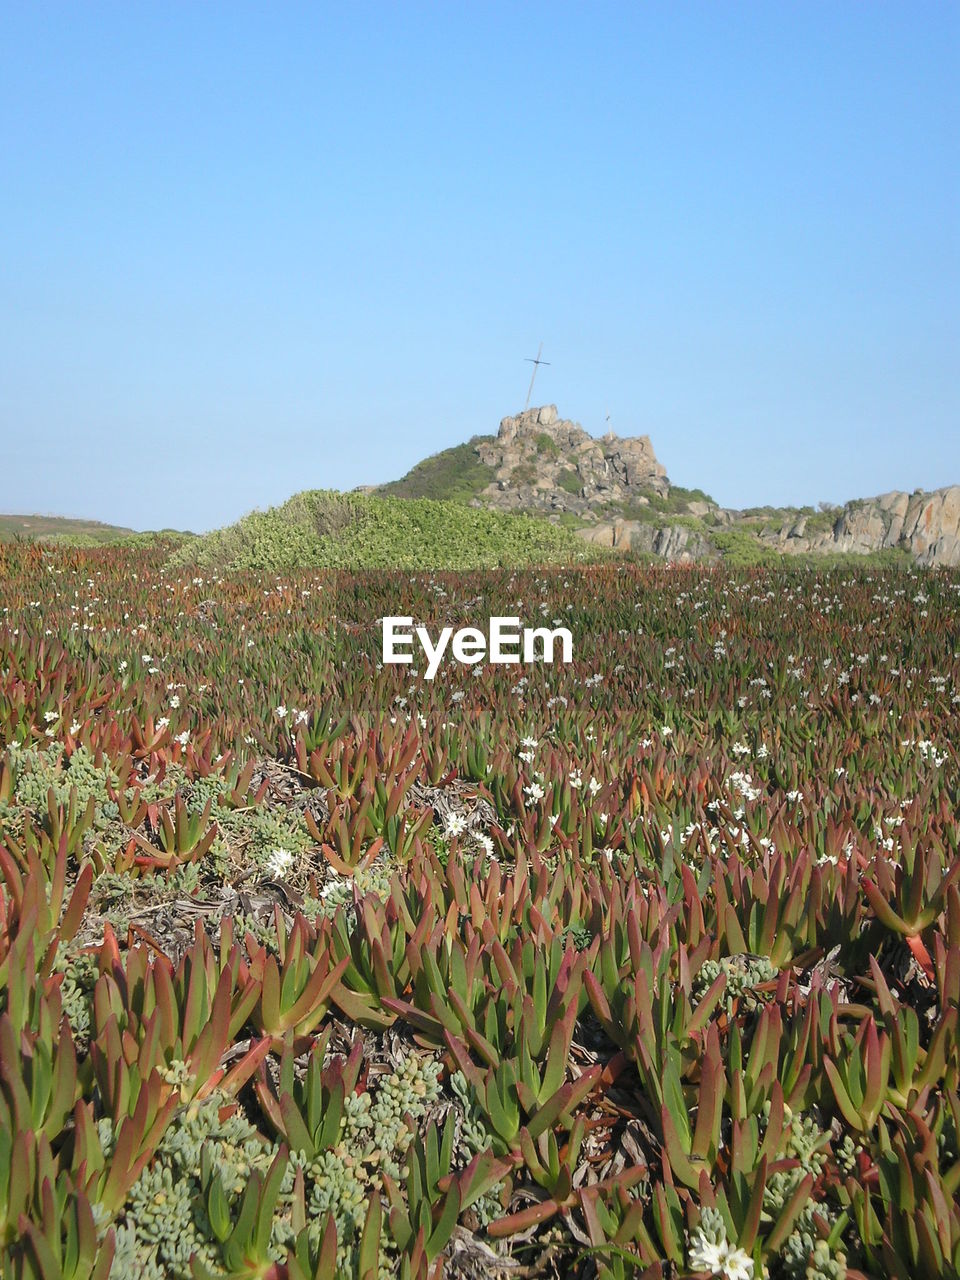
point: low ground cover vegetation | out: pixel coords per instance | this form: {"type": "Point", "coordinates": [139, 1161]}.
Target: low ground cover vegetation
{"type": "Point", "coordinates": [644, 966]}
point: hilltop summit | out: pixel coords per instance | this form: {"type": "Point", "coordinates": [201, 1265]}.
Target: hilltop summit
{"type": "Point", "coordinates": [542, 462]}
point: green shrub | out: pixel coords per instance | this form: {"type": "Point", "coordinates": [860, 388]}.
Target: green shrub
{"type": "Point", "coordinates": [820, 522]}
{"type": "Point", "coordinates": [320, 529]}
{"type": "Point", "coordinates": [742, 549]}
{"type": "Point", "coordinates": [676, 499]}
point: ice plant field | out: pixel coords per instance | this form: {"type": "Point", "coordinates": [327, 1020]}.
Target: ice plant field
{"type": "Point", "coordinates": [644, 966]}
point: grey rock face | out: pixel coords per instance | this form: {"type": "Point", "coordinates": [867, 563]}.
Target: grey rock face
{"type": "Point", "coordinates": [673, 542]}
{"type": "Point", "coordinates": [547, 463]}
{"type": "Point", "coordinates": [927, 525]}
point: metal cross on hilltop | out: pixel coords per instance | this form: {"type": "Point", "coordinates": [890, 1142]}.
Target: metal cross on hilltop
{"type": "Point", "coordinates": [536, 365]}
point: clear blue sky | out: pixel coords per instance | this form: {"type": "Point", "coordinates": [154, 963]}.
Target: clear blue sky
{"type": "Point", "coordinates": [250, 249]}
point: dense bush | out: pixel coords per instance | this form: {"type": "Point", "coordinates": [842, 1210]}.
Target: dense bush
{"type": "Point", "coordinates": [319, 529]}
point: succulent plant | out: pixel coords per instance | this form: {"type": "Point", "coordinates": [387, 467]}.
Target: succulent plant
{"type": "Point", "coordinates": [648, 963]}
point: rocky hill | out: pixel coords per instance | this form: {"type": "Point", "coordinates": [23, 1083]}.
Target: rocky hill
{"type": "Point", "coordinates": [615, 493]}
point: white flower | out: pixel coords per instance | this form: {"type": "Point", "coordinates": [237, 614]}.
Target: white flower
{"type": "Point", "coordinates": [175, 701]}
{"type": "Point", "coordinates": [183, 738]}
{"type": "Point", "coordinates": [534, 791]}
{"type": "Point", "coordinates": [529, 743]}
{"type": "Point", "coordinates": [737, 1265]}
{"type": "Point", "coordinates": [456, 824]}
{"type": "Point", "coordinates": [720, 1260]}
{"type": "Point", "coordinates": [281, 712]}
{"type": "Point", "coordinates": [593, 786]}
{"type": "Point", "coordinates": [742, 783]}
{"type": "Point", "coordinates": [76, 727]}
{"type": "Point", "coordinates": [162, 723]}
{"type": "Point", "coordinates": [279, 861]}
{"type": "Point", "coordinates": [484, 841]}
{"type": "Point", "coordinates": [707, 1256]}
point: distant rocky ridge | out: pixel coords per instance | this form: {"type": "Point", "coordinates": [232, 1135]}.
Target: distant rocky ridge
{"type": "Point", "coordinates": [615, 493]}
{"type": "Point", "coordinates": [924, 526]}
{"type": "Point", "coordinates": [927, 525]}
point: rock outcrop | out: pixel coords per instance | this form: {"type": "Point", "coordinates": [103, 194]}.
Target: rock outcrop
{"type": "Point", "coordinates": [927, 525]}
{"type": "Point", "coordinates": [924, 525]}
{"type": "Point", "coordinates": [678, 543]}
{"type": "Point", "coordinates": [542, 462]}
